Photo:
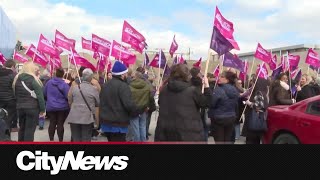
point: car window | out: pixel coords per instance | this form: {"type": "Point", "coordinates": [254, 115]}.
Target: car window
{"type": "Point", "coordinates": [314, 108]}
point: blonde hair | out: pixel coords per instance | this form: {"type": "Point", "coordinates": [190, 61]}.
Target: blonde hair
{"type": "Point", "coordinates": [308, 78]}
{"type": "Point", "coordinates": [28, 68]}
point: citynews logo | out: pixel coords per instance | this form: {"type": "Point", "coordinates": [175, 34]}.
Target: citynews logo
{"type": "Point", "coordinates": [42, 161]}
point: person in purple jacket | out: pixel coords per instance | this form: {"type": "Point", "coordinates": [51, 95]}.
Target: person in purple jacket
{"type": "Point", "coordinates": [57, 107]}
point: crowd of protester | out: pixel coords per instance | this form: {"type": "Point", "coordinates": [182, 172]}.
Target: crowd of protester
{"type": "Point", "coordinates": [119, 104]}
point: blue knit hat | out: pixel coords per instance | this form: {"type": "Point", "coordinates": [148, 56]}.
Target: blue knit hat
{"type": "Point", "coordinates": [119, 69]}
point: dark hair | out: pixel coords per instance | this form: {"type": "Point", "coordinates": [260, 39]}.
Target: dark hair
{"type": "Point", "coordinates": [81, 70]}
{"type": "Point", "coordinates": [230, 76]}
{"type": "Point", "coordinates": [9, 64]}
{"type": "Point", "coordinates": [210, 75]}
{"type": "Point", "coordinates": [59, 72]}
{"type": "Point", "coordinates": [281, 75]}
{"type": "Point", "coordinates": [194, 71]}
{"type": "Point", "coordinates": [180, 72]}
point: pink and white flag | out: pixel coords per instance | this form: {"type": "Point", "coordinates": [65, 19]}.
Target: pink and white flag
{"type": "Point", "coordinates": [262, 71]}
{"type": "Point", "coordinates": [313, 58]}
{"type": "Point", "coordinates": [39, 57]}
{"type": "Point", "coordinates": [101, 64]}
{"type": "Point", "coordinates": [131, 36]}
{"type": "Point", "coordinates": [2, 59]}
{"type": "Point", "coordinates": [294, 61]}
{"type": "Point", "coordinates": [58, 49]}
{"type": "Point", "coordinates": [263, 54]}
{"type": "Point", "coordinates": [122, 53]}
{"type": "Point", "coordinates": [216, 71]}
{"type": "Point", "coordinates": [56, 63]}
{"type": "Point", "coordinates": [62, 41]}
{"type": "Point", "coordinates": [225, 27]}
{"type": "Point", "coordinates": [86, 44]}
{"type": "Point", "coordinates": [100, 45]}
{"type": "Point", "coordinates": [181, 60]}
{"type": "Point", "coordinates": [273, 63]}
{"type": "Point", "coordinates": [78, 60]}
{"type": "Point", "coordinates": [19, 57]}
{"type": "Point", "coordinates": [46, 46]}
{"type": "Point", "coordinates": [174, 46]}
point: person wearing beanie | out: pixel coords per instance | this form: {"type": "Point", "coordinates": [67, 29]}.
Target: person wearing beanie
{"type": "Point", "coordinates": [116, 105]}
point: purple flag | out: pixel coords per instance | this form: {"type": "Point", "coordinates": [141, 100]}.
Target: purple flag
{"type": "Point", "coordinates": [233, 61]}
{"type": "Point", "coordinates": [219, 43]}
{"type": "Point", "coordinates": [314, 68]}
{"type": "Point", "coordinates": [277, 72]}
{"type": "Point", "coordinates": [175, 60]}
{"type": "Point", "coordinates": [167, 71]}
{"type": "Point", "coordinates": [294, 90]}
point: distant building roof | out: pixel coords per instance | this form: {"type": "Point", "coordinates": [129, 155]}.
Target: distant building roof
{"type": "Point", "coordinates": [286, 48]}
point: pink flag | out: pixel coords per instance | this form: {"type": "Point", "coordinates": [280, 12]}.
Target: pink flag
{"type": "Point", "coordinates": [86, 44]}
{"type": "Point", "coordinates": [198, 64]}
{"type": "Point", "coordinates": [273, 63]}
{"type": "Point", "coordinates": [262, 71]}
{"type": "Point", "coordinates": [46, 46]}
{"type": "Point", "coordinates": [100, 45]}
{"type": "Point", "coordinates": [101, 64]}
{"type": "Point", "coordinates": [56, 63]}
{"type": "Point", "coordinates": [122, 53]}
{"type": "Point", "coordinates": [294, 61]}
{"type": "Point", "coordinates": [62, 41]}
{"type": "Point", "coordinates": [174, 46]}
{"type": "Point", "coordinates": [37, 56]}
{"type": "Point", "coordinates": [133, 37]}
{"type": "Point", "coordinates": [181, 60]}
{"type": "Point", "coordinates": [19, 57]}
{"type": "Point", "coordinates": [58, 49]}
{"type": "Point", "coordinates": [2, 59]}
{"type": "Point", "coordinates": [96, 55]}
{"type": "Point", "coordinates": [313, 58]}
{"type": "Point", "coordinates": [284, 63]}
{"type": "Point", "coordinates": [109, 66]}
{"type": "Point", "coordinates": [216, 71]}
{"type": "Point", "coordinates": [76, 59]}
{"type": "Point", "coordinates": [263, 54]}
{"type": "Point", "coordinates": [225, 27]}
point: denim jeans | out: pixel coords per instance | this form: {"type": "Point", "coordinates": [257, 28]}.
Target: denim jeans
{"type": "Point", "coordinates": [237, 131]}
{"type": "Point", "coordinates": [41, 122]}
{"type": "Point", "coordinates": [137, 129]}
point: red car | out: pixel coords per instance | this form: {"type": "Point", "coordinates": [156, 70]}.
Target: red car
{"type": "Point", "coordinates": [295, 124]}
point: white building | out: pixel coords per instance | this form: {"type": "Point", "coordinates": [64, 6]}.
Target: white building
{"type": "Point", "coordinates": [7, 35]}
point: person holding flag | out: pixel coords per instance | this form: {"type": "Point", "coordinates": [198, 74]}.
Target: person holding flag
{"type": "Point", "coordinates": [304, 90]}
{"type": "Point", "coordinates": [280, 92]}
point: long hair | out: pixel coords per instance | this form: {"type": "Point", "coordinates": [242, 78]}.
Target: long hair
{"type": "Point", "coordinates": [28, 68]}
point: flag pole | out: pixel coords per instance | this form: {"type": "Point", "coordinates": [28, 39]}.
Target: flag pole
{"type": "Point", "coordinates": [215, 84]}
{"type": "Point", "coordinates": [290, 80]}
{"type": "Point", "coordinates": [254, 85]}
{"type": "Point", "coordinates": [254, 60]}
{"type": "Point", "coordinates": [159, 69]}
{"type": "Point", "coordinates": [206, 68]}
{"type": "Point", "coordinates": [106, 67]}
{"type": "Point", "coordinates": [75, 64]}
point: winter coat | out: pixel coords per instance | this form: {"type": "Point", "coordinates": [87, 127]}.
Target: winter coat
{"type": "Point", "coordinates": [224, 102]}
{"type": "Point", "coordinates": [23, 97]}
{"type": "Point", "coordinates": [279, 96]}
{"type": "Point", "coordinates": [6, 80]}
{"type": "Point", "coordinates": [79, 112]}
{"type": "Point", "coordinates": [179, 112]}
{"type": "Point", "coordinates": [117, 106]}
{"type": "Point", "coordinates": [56, 95]}
{"type": "Point", "coordinates": [305, 93]}
{"type": "Point", "coordinates": [141, 93]}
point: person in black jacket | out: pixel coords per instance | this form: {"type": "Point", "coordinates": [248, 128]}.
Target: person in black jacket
{"type": "Point", "coordinates": [7, 98]}
{"type": "Point", "coordinates": [116, 105]}
{"type": "Point", "coordinates": [179, 108]}
{"type": "Point", "coordinates": [305, 90]}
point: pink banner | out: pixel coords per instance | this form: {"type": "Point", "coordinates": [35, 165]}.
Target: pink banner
{"type": "Point", "coordinates": [133, 37]}
{"type": "Point", "coordinates": [86, 44]}
{"type": "Point", "coordinates": [101, 64]}
{"type": "Point", "coordinates": [273, 63]}
{"type": "Point", "coordinates": [313, 58]}
{"type": "Point", "coordinates": [224, 26]}
{"type": "Point", "coordinates": [56, 62]}
{"type": "Point", "coordinates": [174, 46]}
{"type": "Point", "coordinates": [100, 45]}
{"type": "Point", "coordinates": [181, 60]}
{"type": "Point", "coordinates": [58, 49]}
{"type": "Point", "coordinates": [294, 61]}
{"type": "Point", "coordinates": [122, 53]}
{"type": "Point", "coordinates": [62, 41]}
{"type": "Point", "coordinates": [76, 59]}
{"type": "Point", "coordinates": [216, 71]}
{"type": "Point", "coordinates": [20, 57]}
{"type": "Point", "coordinates": [263, 54]}
{"type": "Point", "coordinates": [46, 46]}
{"type": "Point", "coordinates": [262, 71]}
{"type": "Point", "coordinates": [2, 59]}
{"type": "Point", "coordinates": [39, 57]}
